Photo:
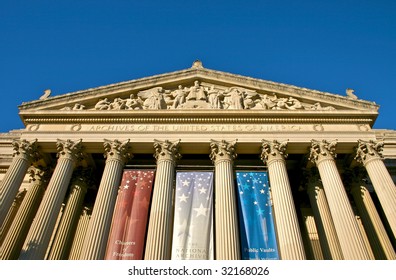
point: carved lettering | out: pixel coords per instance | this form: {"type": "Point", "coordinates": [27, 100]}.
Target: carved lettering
{"type": "Point", "coordinates": [198, 128]}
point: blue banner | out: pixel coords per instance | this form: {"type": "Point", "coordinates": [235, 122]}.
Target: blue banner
{"type": "Point", "coordinates": [256, 223]}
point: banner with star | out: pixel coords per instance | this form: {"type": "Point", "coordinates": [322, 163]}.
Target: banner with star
{"type": "Point", "coordinates": [193, 219]}
{"type": "Point", "coordinates": [256, 222]}
{"type": "Point", "coordinates": [128, 230]}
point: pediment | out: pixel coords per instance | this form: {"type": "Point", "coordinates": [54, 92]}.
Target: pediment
{"type": "Point", "coordinates": [196, 89]}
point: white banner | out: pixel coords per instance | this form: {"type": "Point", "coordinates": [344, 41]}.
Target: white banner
{"type": "Point", "coordinates": [193, 219]}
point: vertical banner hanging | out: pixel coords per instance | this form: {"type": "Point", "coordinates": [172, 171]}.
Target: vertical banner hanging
{"type": "Point", "coordinates": [256, 223]}
{"type": "Point", "coordinates": [193, 219]}
{"type": "Point", "coordinates": [128, 230]}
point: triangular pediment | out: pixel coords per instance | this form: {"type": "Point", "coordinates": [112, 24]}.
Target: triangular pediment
{"type": "Point", "coordinates": [196, 89]}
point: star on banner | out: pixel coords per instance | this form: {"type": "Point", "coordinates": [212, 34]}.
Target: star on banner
{"type": "Point", "coordinates": [201, 211]}
{"type": "Point", "coordinates": [183, 198]}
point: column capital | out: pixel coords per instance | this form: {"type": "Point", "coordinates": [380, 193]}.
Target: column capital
{"type": "Point", "coordinates": [368, 150]}
{"type": "Point", "coordinates": [273, 150]}
{"type": "Point", "coordinates": [26, 150]}
{"type": "Point", "coordinates": [68, 149]}
{"type": "Point", "coordinates": [222, 150]}
{"type": "Point", "coordinates": [321, 150]}
{"type": "Point", "coordinates": [42, 174]}
{"type": "Point", "coordinates": [166, 150]}
{"type": "Point", "coordinates": [82, 178]}
{"type": "Point", "coordinates": [117, 150]}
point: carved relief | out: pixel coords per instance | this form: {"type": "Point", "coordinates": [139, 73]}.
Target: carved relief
{"type": "Point", "coordinates": [367, 150]}
{"type": "Point", "coordinates": [28, 150]}
{"type": "Point", "coordinates": [201, 97]}
{"type": "Point", "coordinates": [273, 150]}
{"type": "Point", "coordinates": [166, 150]}
{"type": "Point", "coordinates": [117, 150]}
{"type": "Point", "coordinates": [322, 149]}
{"type": "Point", "coordinates": [73, 150]}
{"type": "Point", "coordinates": [222, 150]}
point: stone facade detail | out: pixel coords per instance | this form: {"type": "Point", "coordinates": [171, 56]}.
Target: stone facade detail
{"type": "Point", "coordinates": [226, 222]}
{"type": "Point", "coordinates": [197, 96]}
{"type": "Point", "coordinates": [159, 230]}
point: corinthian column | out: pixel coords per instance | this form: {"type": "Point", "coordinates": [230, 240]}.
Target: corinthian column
{"type": "Point", "coordinates": [79, 236]}
{"type": "Point", "coordinates": [117, 154]}
{"type": "Point", "coordinates": [376, 233]}
{"type": "Point", "coordinates": [159, 231]}
{"type": "Point", "coordinates": [38, 238]}
{"type": "Point", "coordinates": [64, 235]}
{"type": "Point", "coordinates": [11, 215]}
{"type": "Point", "coordinates": [25, 153]}
{"type": "Point", "coordinates": [369, 153]}
{"type": "Point", "coordinates": [19, 229]}
{"type": "Point", "coordinates": [288, 231]}
{"type": "Point", "coordinates": [226, 223]}
{"type": "Point", "coordinates": [328, 235]}
{"type": "Point", "coordinates": [322, 153]}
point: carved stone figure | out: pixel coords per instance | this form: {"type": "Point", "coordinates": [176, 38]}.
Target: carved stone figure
{"type": "Point", "coordinates": [180, 96]}
{"type": "Point", "coordinates": [350, 93]}
{"type": "Point", "coordinates": [78, 106]}
{"type": "Point", "coordinates": [215, 98]}
{"type": "Point", "coordinates": [134, 103]}
{"type": "Point", "coordinates": [265, 102]}
{"type": "Point", "coordinates": [196, 92]}
{"type": "Point", "coordinates": [46, 94]}
{"type": "Point", "coordinates": [280, 104]}
{"type": "Point", "coordinates": [118, 104]}
{"type": "Point", "coordinates": [235, 98]}
{"type": "Point", "coordinates": [317, 106]}
{"type": "Point", "coordinates": [103, 104]}
{"type": "Point", "coordinates": [155, 98]}
{"type": "Point", "coordinates": [293, 104]}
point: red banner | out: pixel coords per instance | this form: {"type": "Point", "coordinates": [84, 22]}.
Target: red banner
{"type": "Point", "coordinates": [128, 230]}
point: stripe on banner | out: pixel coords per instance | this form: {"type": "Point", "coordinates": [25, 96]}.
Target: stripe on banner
{"type": "Point", "coordinates": [127, 234]}
{"type": "Point", "coordinates": [256, 223]}
{"type": "Point", "coordinates": [193, 219]}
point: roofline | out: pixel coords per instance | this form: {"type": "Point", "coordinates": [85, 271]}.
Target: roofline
{"type": "Point", "coordinates": [201, 73]}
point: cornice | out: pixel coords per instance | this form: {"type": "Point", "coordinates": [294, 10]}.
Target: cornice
{"type": "Point", "coordinates": [198, 116]}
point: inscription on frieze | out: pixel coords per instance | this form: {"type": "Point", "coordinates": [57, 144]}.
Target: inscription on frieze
{"type": "Point", "coordinates": [197, 128]}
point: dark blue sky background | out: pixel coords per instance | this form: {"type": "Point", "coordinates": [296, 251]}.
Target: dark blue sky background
{"type": "Point", "coordinates": [74, 45]}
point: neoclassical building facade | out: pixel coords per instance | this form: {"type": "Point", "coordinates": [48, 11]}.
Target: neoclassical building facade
{"type": "Point", "coordinates": [198, 164]}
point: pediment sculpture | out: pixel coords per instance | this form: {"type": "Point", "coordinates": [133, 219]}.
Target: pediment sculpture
{"type": "Point", "coordinates": [201, 97]}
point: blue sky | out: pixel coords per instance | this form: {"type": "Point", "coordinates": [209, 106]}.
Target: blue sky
{"type": "Point", "coordinates": [74, 45]}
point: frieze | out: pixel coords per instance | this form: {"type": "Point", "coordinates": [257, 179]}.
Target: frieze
{"type": "Point", "coordinates": [196, 128]}
{"type": "Point", "coordinates": [198, 96]}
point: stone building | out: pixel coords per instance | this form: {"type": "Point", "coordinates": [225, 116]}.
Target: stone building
{"type": "Point", "coordinates": [65, 191]}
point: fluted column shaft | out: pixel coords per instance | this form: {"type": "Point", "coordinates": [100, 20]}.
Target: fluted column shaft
{"type": "Point", "coordinates": [226, 222]}
{"type": "Point", "coordinates": [290, 245]}
{"type": "Point", "coordinates": [61, 244]}
{"type": "Point", "coordinates": [40, 232]}
{"type": "Point", "coordinates": [160, 225]}
{"type": "Point", "coordinates": [370, 155]}
{"type": "Point", "coordinates": [348, 232]}
{"type": "Point", "coordinates": [313, 237]}
{"type": "Point", "coordinates": [79, 237]}
{"type": "Point", "coordinates": [25, 154]}
{"type": "Point", "coordinates": [11, 215]}
{"type": "Point", "coordinates": [20, 227]}
{"type": "Point", "coordinates": [95, 242]}
{"type": "Point", "coordinates": [376, 233]}
{"type": "Point", "coordinates": [329, 241]}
